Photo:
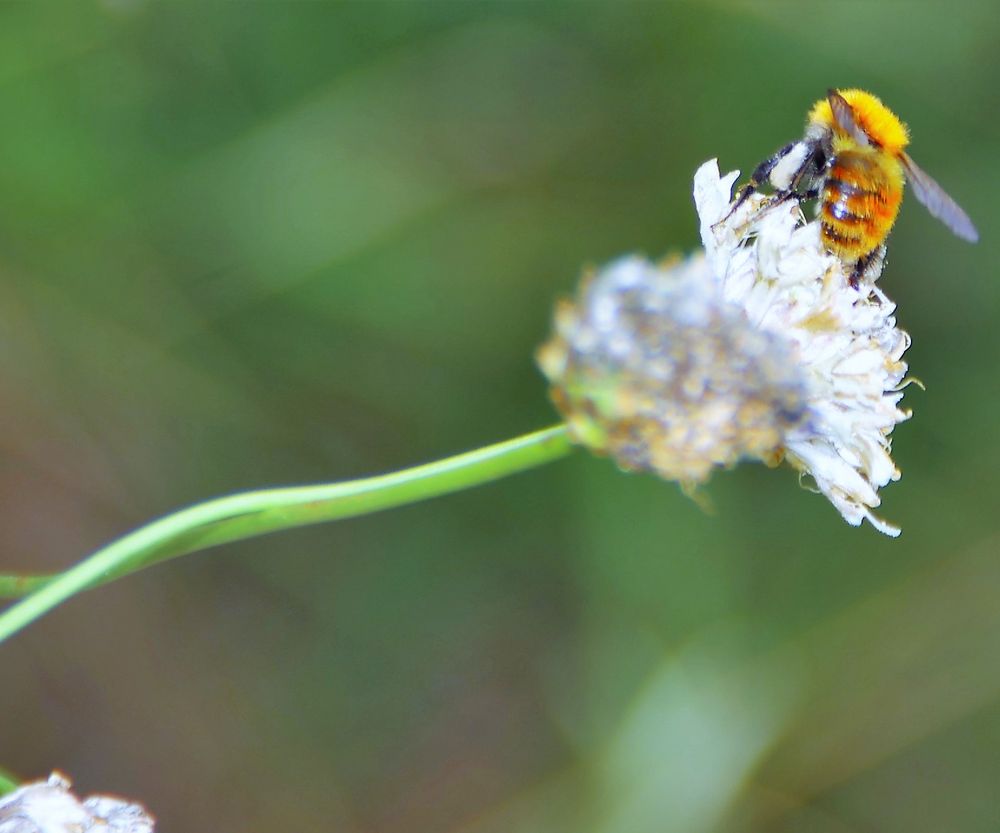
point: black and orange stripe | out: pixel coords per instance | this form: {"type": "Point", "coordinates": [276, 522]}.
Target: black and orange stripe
{"type": "Point", "coordinates": [858, 204]}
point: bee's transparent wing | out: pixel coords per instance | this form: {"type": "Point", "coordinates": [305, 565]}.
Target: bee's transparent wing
{"type": "Point", "coordinates": [843, 115]}
{"type": "Point", "coordinates": [938, 203]}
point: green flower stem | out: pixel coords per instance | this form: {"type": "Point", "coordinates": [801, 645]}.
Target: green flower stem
{"type": "Point", "coordinates": [251, 514]}
{"type": "Point", "coordinates": [7, 783]}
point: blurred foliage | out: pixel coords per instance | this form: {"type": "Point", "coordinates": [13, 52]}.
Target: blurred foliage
{"type": "Point", "coordinates": [245, 244]}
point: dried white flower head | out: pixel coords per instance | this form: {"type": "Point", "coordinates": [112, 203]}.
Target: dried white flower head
{"type": "Point", "coordinates": [652, 367]}
{"type": "Point", "coordinates": [49, 807]}
{"type": "Point", "coordinates": [759, 347]}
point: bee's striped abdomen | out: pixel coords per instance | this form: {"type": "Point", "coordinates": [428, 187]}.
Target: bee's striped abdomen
{"type": "Point", "coordinates": [859, 203]}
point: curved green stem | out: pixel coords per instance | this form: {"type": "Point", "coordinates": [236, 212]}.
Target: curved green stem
{"type": "Point", "coordinates": [250, 514]}
{"type": "Point", "coordinates": [7, 783]}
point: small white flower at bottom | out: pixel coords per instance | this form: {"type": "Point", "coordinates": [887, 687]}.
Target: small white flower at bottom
{"type": "Point", "coordinates": [49, 807]}
{"type": "Point", "coordinates": [757, 348]}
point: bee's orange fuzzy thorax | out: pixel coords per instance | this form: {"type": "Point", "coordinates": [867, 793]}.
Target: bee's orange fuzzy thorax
{"type": "Point", "coordinates": [878, 121]}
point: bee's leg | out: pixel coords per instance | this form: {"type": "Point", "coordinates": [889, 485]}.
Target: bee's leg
{"type": "Point", "coordinates": [863, 262]}
{"type": "Point", "coordinates": [760, 175]}
{"type": "Point", "coordinates": [810, 171]}
{"type": "Point", "coordinates": [782, 194]}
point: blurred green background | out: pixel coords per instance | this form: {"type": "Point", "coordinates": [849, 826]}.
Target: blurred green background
{"type": "Point", "coordinates": [245, 244]}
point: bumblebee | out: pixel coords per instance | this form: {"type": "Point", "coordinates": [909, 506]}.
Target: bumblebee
{"type": "Point", "coordinates": [853, 160]}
